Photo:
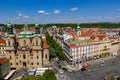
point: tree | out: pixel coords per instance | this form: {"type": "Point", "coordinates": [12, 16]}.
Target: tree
{"type": "Point", "coordinates": [49, 75]}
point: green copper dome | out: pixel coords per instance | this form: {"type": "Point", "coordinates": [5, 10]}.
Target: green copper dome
{"type": "Point", "coordinates": [78, 27]}
{"type": "Point", "coordinates": [8, 25]}
{"type": "Point", "coordinates": [26, 34]}
{"type": "Point", "coordinates": [36, 24]}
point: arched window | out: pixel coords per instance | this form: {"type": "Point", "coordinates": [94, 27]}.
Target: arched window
{"type": "Point", "coordinates": [10, 57]}
{"type": "Point", "coordinates": [24, 42]}
{"type": "Point", "coordinates": [45, 56]}
{"type": "Point", "coordinates": [37, 63]}
{"type": "Point", "coordinates": [8, 43]}
{"type": "Point", "coordinates": [24, 57]}
{"type": "Point", "coordinates": [36, 43]}
{"type": "Point", "coordinates": [37, 57]}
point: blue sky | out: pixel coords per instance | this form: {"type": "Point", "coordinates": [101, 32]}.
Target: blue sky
{"type": "Point", "coordinates": [59, 11]}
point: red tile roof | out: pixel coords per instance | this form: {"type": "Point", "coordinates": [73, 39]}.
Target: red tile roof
{"type": "Point", "coordinates": [3, 60]}
{"type": "Point", "coordinates": [73, 45]}
{"type": "Point", "coordinates": [2, 41]}
{"type": "Point", "coordinates": [85, 33]}
{"type": "Point", "coordinates": [45, 45]}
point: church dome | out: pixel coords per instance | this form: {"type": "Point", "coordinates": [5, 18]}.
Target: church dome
{"type": "Point", "coordinates": [78, 27]}
{"type": "Point", "coordinates": [26, 34]}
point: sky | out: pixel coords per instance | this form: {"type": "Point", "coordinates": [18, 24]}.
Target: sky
{"type": "Point", "coordinates": [59, 11]}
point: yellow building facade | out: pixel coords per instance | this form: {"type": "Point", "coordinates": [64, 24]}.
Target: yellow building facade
{"type": "Point", "coordinates": [27, 49]}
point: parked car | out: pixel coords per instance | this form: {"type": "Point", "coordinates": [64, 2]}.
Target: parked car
{"type": "Point", "coordinates": [102, 63]}
{"type": "Point", "coordinates": [61, 71]}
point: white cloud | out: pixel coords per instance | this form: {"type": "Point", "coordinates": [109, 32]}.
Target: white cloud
{"type": "Point", "coordinates": [26, 17]}
{"type": "Point", "coordinates": [74, 9]}
{"type": "Point", "coordinates": [41, 11]}
{"type": "Point", "coordinates": [56, 11]}
{"type": "Point", "coordinates": [20, 14]}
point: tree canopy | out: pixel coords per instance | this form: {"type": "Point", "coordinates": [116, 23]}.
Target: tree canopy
{"type": "Point", "coordinates": [49, 75]}
{"type": "Point", "coordinates": [73, 25]}
{"type": "Point", "coordinates": [54, 49]}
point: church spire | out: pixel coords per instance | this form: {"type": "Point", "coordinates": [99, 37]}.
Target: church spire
{"type": "Point", "coordinates": [8, 24]}
{"type": "Point", "coordinates": [37, 27]}
{"type": "Point", "coordinates": [26, 26]}
{"type": "Point", "coordinates": [9, 27]}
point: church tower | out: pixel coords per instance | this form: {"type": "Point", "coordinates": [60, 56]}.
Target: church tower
{"type": "Point", "coordinates": [10, 44]}
{"type": "Point", "coordinates": [37, 31]}
{"type": "Point", "coordinates": [78, 31]}
{"type": "Point", "coordinates": [9, 28]}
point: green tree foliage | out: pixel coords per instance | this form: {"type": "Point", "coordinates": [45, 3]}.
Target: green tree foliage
{"type": "Point", "coordinates": [49, 75]}
{"type": "Point", "coordinates": [55, 49]}
{"type": "Point", "coordinates": [87, 25]}
{"type": "Point", "coordinates": [73, 25]}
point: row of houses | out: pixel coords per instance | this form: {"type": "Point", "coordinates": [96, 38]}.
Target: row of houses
{"type": "Point", "coordinates": [86, 44]}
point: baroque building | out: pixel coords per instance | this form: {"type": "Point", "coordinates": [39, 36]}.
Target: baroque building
{"type": "Point", "coordinates": [26, 49]}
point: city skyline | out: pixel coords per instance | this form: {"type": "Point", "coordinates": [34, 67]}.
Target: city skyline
{"type": "Point", "coordinates": [60, 11]}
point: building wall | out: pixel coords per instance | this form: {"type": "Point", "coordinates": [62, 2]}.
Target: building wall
{"type": "Point", "coordinates": [4, 69]}
{"type": "Point", "coordinates": [88, 51]}
{"type": "Point", "coordinates": [2, 50]}
{"type": "Point", "coordinates": [105, 49]}
{"type": "Point", "coordinates": [30, 54]}
{"type": "Point", "coordinates": [115, 48]}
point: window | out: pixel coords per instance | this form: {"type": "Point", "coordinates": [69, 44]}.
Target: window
{"type": "Point", "coordinates": [24, 42]}
{"type": "Point", "coordinates": [10, 57]}
{"type": "Point", "coordinates": [36, 43]}
{"type": "Point", "coordinates": [31, 41]}
{"type": "Point", "coordinates": [9, 51]}
{"type": "Point", "coordinates": [37, 63]}
{"type": "Point", "coordinates": [16, 63]}
{"type": "Point", "coordinates": [45, 56]}
{"type": "Point", "coordinates": [105, 47]}
{"type": "Point", "coordinates": [16, 57]}
{"type": "Point", "coordinates": [37, 51]}
{"type": "Point", "coordinates": [24, 56]}
{"type": "Point", "coordinates": [37, 57]}
{"type": "Point", "coordinates": [31, 63]}
{"type": "Point", "coordinates": [8, 43]}
{"type": "Point", "coordinates": [11, 64]}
